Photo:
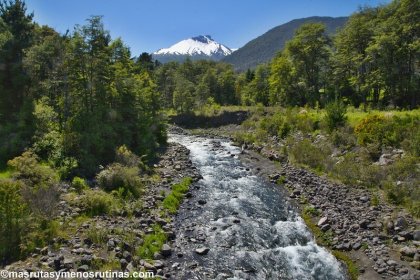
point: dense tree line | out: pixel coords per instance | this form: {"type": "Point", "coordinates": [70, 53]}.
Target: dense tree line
{"type": "Point", "coordinates": [372, 61]}
{"type": "Point", "coordinates": [73, 98]}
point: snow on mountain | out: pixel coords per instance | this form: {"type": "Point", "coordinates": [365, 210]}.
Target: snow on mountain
{"type": "Point", "coordinates": [200, 47]}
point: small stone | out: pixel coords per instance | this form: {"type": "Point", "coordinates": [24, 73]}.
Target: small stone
{"type": "Point", "coordinates": [325, 227]}
{"type": "Point", "coordinates": [401, 223]}
{"type": "Point", "coordinates": [364, 224]}
{"type": "Point", "coordinates": [364, 199]}
{"type": "Point", "coordinates": [202, 250]}
{"type": "Point", "coordinates": [408, 252]}
{"type": "Point", "coordinates": [166, 250]}
{"type": "Point", "coordinates": [202, 202]}
{"type": "Point", "coordinates": [83, 268]}
{"type": "Point", "coordinates": [322, 221]}
{"type": "Point", "coordinates": [126, 255]}
{"type": "Point", "coordinates": [159, 264]}
{"type": "Point", "coordinates": [416, 235]}
{"type": "Point", "coordinates": [123, 263]}
{"type": "Point", "coordinates": [357, 246]}
{"type": "Point", "coordinates": [44, 251]}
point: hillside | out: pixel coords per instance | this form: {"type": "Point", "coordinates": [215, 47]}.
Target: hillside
{"type": "Point", "coordinates": [263, 48]}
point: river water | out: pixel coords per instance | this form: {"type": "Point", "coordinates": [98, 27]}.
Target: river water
{"type": "Point", "coordinates": [246, 222]}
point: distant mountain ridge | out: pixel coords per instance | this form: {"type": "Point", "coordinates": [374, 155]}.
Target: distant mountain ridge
{"type": "Point", "coordinates": [263, 48]}
{"type": "Point", "coordinates": [199, 47]}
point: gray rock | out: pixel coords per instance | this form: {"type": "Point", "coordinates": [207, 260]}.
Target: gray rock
{"type": "Point", "coordinates": [86, 259]}
{"type": "Point", "coordinates": [416, 235]}
{"type": "Point", "coordinates": [166, 250]}
{"type": "Point", "coordinates": [364, 224]}
{"type": "Point", "coordinates": [408, 251]}
{"type": "Point", "coordinates": [401, 223]}
{"type": "Point", "coordinates": [126, 255]}
{"type": "Point", "coordinates": [83, 268]}
{"type": "Point", "coordinates": [159, 264]}
{"type": "Point", "coordinates": [202, 250]}
{"type": "Point", "coordinates": [357, 246]}
{"type": "Point", "coordinates": [364, 199]}
{"type": "Point", "coordinates": [202, 202]}
{"type": "Point", "coordinates": [323, 221]}
{"type": "Point", "coordinates": [123, 263]}
{"type": "Point", "coordinates": [325, 227]}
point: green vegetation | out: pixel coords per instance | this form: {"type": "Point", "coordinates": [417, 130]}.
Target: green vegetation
{"type": "Point", "coordinates": [351, 151]}
{"type": "Point", "coordinates": [97, 202]}
{"type": "Point", "coordinates": [13, 215]}
{"type": "Point", "coordinates": [174, 199]}
{"type": "Point", "coordinates": [351, 266]}
{"type": "Point", "coordinates": [152, 243]}
{"type": "Point", "coordinates": [79, 184]}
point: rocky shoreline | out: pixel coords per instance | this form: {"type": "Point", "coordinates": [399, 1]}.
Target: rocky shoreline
{"type": "Point", "coordinates": [102, 241]}
{"type": "Point", "coordinates": [383, 240]}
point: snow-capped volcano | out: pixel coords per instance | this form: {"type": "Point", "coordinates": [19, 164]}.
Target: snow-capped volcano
{"type": "Point", "coordinates": [200, 47]}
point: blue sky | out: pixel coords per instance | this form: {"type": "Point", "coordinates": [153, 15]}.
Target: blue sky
{"type": "Point", "coordinates": [147, 25]}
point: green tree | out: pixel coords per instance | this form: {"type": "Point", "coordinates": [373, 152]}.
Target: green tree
{"type": "Point", "coordinates": [309, 52]}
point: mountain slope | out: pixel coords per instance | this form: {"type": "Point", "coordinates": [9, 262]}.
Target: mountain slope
{"type": "Point", "coordinates": [264, 48]}
{"type": "Point", "coordinates": [200, 47]}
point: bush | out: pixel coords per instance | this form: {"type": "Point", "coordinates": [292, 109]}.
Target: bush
{"type": "Point", "coordinates": [317, 157]}
{"type": "Point", "coordinates": [40, 233]}
{"type": "Point", "coordinates": [117, 176]}
{"type": "Point", "coordinates": [79, 184]}
{"type": "Point", "coordinates": [344, 137]}
{"type": "Point", "coordinates": [28, 169]}
{"type": "Point", "coordinates": [13, 214]}
{"type": "Point", "coordinates": [39, 184]}
{"type": "Point", "coordinates": [336, 114]}
{"type": "Point", "coordinates": [127, 158]}
{"type": "Point", "coordinates": [96, 203]}
{"type": "Point", "coordinates": [388, 131]}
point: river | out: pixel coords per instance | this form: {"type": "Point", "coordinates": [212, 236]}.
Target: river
{"type": "Point", "coordinates": [250, 229]}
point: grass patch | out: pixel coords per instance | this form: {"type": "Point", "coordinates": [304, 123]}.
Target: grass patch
{"type": "Point", "coordinates": [98, 202]}
{"type": "Point", "coordinates": [173, 200]}
{"type": "Point", "coordinates": [351, 266]}
{"type": "Point", "coordinates": [97, 235]}
{"type": "Point", "coordinates": [152, 243]}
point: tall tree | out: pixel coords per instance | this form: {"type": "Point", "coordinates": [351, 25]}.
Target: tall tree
{"type": "Point", "coordinates": [309, 52]}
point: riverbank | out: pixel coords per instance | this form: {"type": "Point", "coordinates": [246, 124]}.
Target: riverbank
{"type": "Point", "coordinates": [123, 241]}
{"type": "Point", "coordinates": [382, 240]}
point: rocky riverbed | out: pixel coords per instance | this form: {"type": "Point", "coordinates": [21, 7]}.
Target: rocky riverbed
{"type": "Point", "coordinates": [382, 239]}
{"type": "Point", "coordinates": [109, 242]}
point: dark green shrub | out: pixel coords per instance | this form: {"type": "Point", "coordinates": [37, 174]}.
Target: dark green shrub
{"type": "Point", "coordinates": [317, 157]}
{"type": "Point", "coordinates": [96, 203]}
{"type": "Point", "coordinates": [13, 217]}
{"type": "Point", "coordinates": [336, 114]}
{"type": "Point", "coordinates": [40, 187]}
{"type": "Point", "coordinates": [28, 169]}
{"type": "Point", "coordinates": [79, 184]}
{"type": "Point", "coordinates": [117, 176]}
{"type": "Point", "coordinates": [127, 158]}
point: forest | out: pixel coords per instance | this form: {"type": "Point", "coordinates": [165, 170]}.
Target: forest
{"type": "Point", "coordinates": [72, 104]}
